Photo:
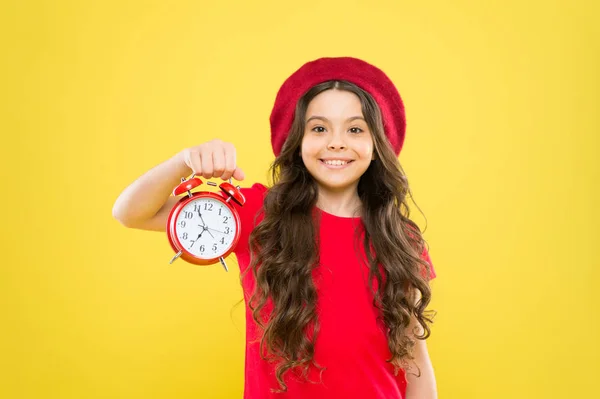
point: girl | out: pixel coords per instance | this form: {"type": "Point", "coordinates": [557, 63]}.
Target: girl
{"type": "Point", "coordinates": [335, 274]}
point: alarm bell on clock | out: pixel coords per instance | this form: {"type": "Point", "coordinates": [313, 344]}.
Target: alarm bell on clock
{"type": "Point", "coordinates": [203, 228]}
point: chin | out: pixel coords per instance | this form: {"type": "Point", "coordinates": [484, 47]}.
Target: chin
{"type": "Point", "coordinates": [336, 184]}
{"type": "Point", "coordinates": [329, 180]}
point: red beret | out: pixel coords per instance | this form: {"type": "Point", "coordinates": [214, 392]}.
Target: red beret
{"type": "Point", "coordinates": [364, 75]}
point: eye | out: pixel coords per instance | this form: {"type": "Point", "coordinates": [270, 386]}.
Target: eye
{"type": "Point", "coordinates": [355, 130]}
{"type": "Point", "coordinates": [318, 129]}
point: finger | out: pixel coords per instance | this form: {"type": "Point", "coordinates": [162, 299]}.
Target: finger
{"type": "Point", "coordinates": [218, 156]}
{"type": "Point", "coordinates": [229, 162]}
{"type": "Point", "coordinates": [193, 162]}
{"type": "Point", "coordinates": [207, 162]}
{"type": "Point", "coordinates": [238, 174]}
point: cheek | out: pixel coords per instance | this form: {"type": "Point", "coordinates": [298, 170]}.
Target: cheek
{"type": "Point", "coordinates": [304, 152]}
{"type": "Point", "coordinates": [366, 149]}
{"type": "Point", "coordinates": [309, 147]}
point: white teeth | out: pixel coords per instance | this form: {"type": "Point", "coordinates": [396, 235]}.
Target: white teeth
{"type": "Point", "coordinates": [336, 163]}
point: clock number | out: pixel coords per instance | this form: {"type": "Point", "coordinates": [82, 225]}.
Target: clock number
{"type": "Point", "coordinates": [201, 248]}
{"type": "Point", "coordinates": [182, 224]}
{"type": "Point", "coordinates": [214, 247]}
{"type": "Point", "coordinates": [185, 236]}
{"type": "Point", "coordinates": [222, 240]}
{"type": "Point", "coordinates": [226, 230]}
{"type": "Point", "coordinates": [189, 215]}
{"type": "Point", "coordinates": [225, 219]}
{"type": "Point", "coordinates": [208, 206]}
{"type": "Point", "coordinates": [220, 209]}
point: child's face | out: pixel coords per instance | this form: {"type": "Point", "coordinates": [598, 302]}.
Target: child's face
{"type": "Point", "coordinates": [336, 130]}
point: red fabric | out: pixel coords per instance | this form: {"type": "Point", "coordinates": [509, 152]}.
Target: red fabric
{"type": "Point", "coordinates": [366, 76]}
{"type": "Point", "coordinates": [351, 343]}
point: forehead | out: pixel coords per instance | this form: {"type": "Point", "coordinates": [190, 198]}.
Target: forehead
{"type": "Point", "coordinates": [335, 103]}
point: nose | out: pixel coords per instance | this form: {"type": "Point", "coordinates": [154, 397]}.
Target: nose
{"type": "Point", "coordinates": [336, 142]}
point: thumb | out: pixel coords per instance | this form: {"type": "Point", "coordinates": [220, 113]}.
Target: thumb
{"type": "Point", "coordinates": [238, 174]}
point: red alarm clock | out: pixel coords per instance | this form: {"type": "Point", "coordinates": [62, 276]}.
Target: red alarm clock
{"type": "Point", "coordinates": [203, 227]}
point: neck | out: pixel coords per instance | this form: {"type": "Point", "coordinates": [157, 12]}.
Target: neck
{"type": "Point", "coordinates": [344, 203]}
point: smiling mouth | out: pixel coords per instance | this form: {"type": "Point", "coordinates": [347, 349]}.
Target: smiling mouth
{"type": "Point", "coordinates": [335, 164]}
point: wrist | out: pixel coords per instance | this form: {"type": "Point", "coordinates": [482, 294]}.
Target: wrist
{"type": "Point", "coordinates": [179, 165]}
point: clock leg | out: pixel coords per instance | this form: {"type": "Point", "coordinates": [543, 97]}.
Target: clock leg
{"type": "Point", "coordinates": [175, 257]}
{"type": "Point", "coordinates": [223, 263]}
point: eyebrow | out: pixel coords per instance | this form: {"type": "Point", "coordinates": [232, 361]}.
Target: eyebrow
{"type": "Point", "coordinates": [352, 118]}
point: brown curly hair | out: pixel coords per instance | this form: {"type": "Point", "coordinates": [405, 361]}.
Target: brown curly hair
{"type": "Point", "coordinates": [284, 249]}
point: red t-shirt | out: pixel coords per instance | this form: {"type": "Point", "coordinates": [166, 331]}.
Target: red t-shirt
{"type": "Point", "coordinates": [351, 344]}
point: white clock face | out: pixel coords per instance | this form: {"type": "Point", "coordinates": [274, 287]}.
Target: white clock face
{"type": "Point", "coordinates": [206, 228]}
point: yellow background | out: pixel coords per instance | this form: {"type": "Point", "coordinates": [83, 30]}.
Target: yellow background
{"type": "Point", "coordinates": [501, 152]}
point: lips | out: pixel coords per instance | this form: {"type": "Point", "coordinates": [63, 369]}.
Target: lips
{"type": "Point", "coordinates": [322, 162]}
{"type": "Point", "coordinates": [336, 159]}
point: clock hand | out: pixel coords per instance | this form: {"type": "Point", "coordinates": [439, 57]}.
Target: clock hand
{"type": "Point", "coordinates": [197, 238]}
{"type": "Point", "coordinates": [203, 224]}
{"type": "Point", "coordinates": [216, 230]}
{"type": "Point", "coordinates": [206, 229]}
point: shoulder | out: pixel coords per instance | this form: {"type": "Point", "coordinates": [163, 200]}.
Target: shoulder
{"type": "Point", "coordinates": [258, 187]}
{"type": "Point", "coordinates": [249, 213]}
{"type": "Point", "coordinates": [425, 256]}
{"type": "Point", "coordinates": [255, 192]}
{"type": "Point", "coordinates": [254, 198]}
{"type": "Point", "coordinates": [412, 231]}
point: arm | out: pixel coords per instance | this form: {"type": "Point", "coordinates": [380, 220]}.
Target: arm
{"type": "Point", "coordinates": [424, 386]}
{"type": "Point", "coordinates": [147, 202]}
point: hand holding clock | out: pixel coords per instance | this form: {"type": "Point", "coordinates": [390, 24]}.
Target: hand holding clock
{"type": "Point", "coordinates": [142, 204]}
{"type": "Point", "coordinates": [215, 158]}
{"type": "Point", "coordinates": [186, 218]}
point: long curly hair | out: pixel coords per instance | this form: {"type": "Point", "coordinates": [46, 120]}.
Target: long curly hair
{"type": "Point", "coordinates": [284, 250]}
